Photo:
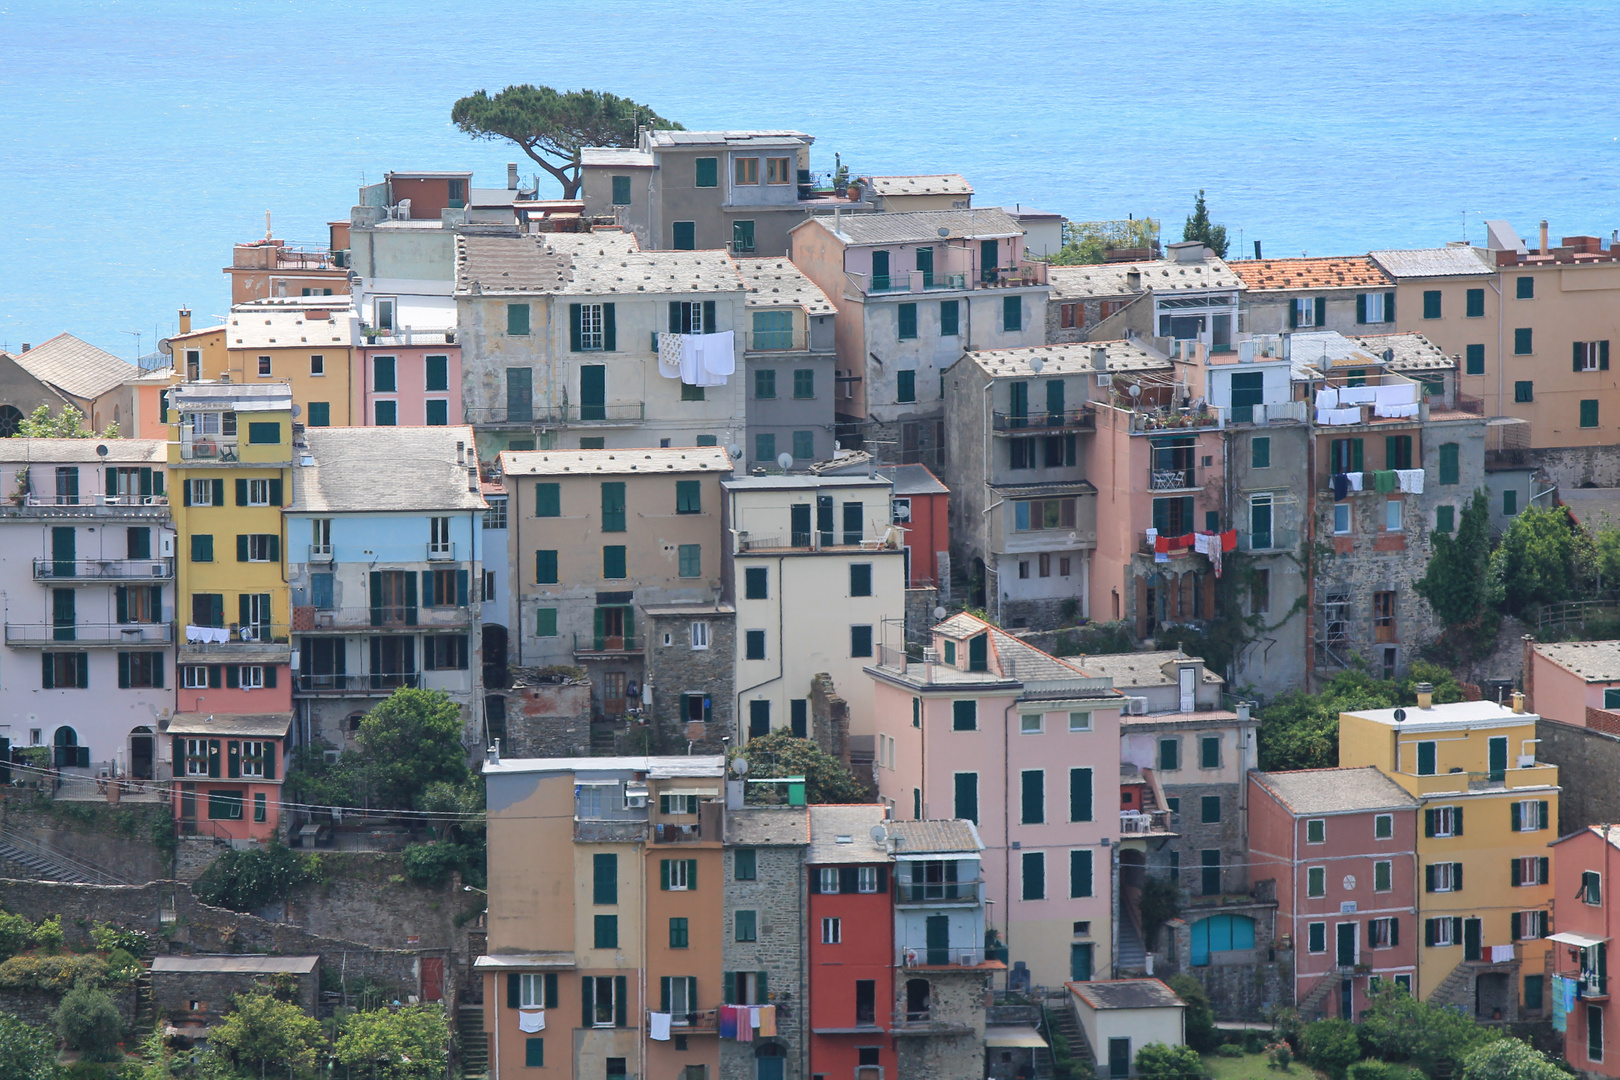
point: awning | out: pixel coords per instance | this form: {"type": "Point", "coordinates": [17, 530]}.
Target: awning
{"type": "Point", "coordinates": [1019, 1035]}
{"type": "Point", "coordinates": [1580, 941]}
{"type": "Point", "coordinates": [519, 961]}
{"type": "Point", "coordinates": [689, 791]}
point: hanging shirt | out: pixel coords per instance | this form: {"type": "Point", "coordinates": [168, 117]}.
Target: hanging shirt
{"type": "Point", "coordinates": [1354, 479]}
{"type": "Point", "coordinates": [1341, 486]}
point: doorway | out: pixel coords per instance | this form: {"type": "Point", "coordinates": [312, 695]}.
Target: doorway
{"type": "Point", "coordinates": [496, 676]}
{"type": "Point", "coordinates": [918, 999]}
{"type": "Point", "coordinates": [770, 1062]}
{"type": "Point", "coordinates": [613, 686]}
{"type": "Point", "coordinates": [140, 754]}
{"type": "Point", "coordinates": [1119, 1058]}
{"type": "Point", "coordinates": [1345, 954]}
{"type": "Point", "coordinates": [1493, 996]}
{"type": "Point", "coordinates": [938, 931]}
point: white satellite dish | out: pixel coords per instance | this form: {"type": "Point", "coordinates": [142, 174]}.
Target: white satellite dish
{"type": "Point", "coordinates": [734, 450]}
{"type": "Point", "coordinates": [879, 834]}
{"type": "Point", "coordinates": [1134, 390]}
{"type": "Point", "coordinates": [739, 766]}
{"type": "Point", "coordinates": [785, 460]}
{"type": "Point", "coordinates": [939, 612]}
{"type": "Point", "coordinates": [1036, 364]}
{"type": "Point", "coordinates": [165, 346]}
{"type": "Point", "coordinates": [902, 511]}
{"type": "Point", "coordinates": [296, 409]}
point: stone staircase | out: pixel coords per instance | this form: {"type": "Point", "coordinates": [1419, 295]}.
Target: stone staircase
{"type": "Point", "coordinates": [145, 1008]}
{"type": "Point", "coordinates": [1132, 955]}
{"type": "Point", "coordinates": [474, 1041]}
{"type": "Point", "coordinates": [1312, 1002]}
{"type": "Point", "coordinates": [1060, 1020]}
{"type": "Point", "coordinates": [30, 861]}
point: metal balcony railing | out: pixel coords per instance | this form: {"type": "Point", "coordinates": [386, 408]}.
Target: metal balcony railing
{"type": "Point", "coordinates": [1078, 419]}
{"type": "Point", "coordinates": [208, 447]}
{"type": "Point", "coordinates": [385, 617]}
{"type": "Point", "coordinates": [666, 833]}
{"type": "Point", "coordinates": [1172, 479]}
{"type": "Point", "coordinates": [340, 685]}
{"type": "Point", "coordinates": [778, 341]}
{"type": "Point", "coordinates": [236, 636]}
{"type": "Point", "coordinates": [919, 955]}
{"type": "Point", "coordinates": [133, 635]}
{"type": "Point", "coordinates": [620, 643]}
{"type": "Point", "coordinates": [939, 892]}
{"type": "Point", "coordinates": [136, 570]}
{"type": "Point", "coordinates": [1137, 823]}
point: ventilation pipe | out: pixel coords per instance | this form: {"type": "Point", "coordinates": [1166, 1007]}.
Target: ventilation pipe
{"type": "Point", "coordinates": [1544, 248]}
{"type": "Point", "coordinates": [511, 176]}
{"type": "Point", "coordinates": [1425, 695]}
{"type": "Point", "coordinates": [1518, 701]}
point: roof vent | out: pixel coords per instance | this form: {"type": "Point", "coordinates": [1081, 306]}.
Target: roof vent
{"type": "Point", "coordinates": [843, 839]}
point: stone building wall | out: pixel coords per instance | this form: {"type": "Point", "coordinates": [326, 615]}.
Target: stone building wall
{"type": "Point", "coordinates": [174, 991]}
{"type": "Point", "coordinates": [1588, 760]}
{"type": "Point", "coordinates": [36, 1006]}
{"type": "Point", "coordinates": [1575, 466]}
{"type": "Point", "coordinates": [778, 894]}
{"type": "Point", "coordinates": [920, 604]}
{"type": "Point", "coordinates": [115, 838]}
{"type": "Point", "coordinates": [677, 669]}
{"type": "Point", "coordinates": [546, 715]}
{"type": "Point", "coordinates": [1242, 985]}
{"type": "Point", "coordinates": [829, 718]}
{"type": "Point", "coordinates": [953, 1049]}
{"type": "Point", "coordinates": [1194, 836]}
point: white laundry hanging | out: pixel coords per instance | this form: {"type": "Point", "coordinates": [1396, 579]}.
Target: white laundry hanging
{"type": "Point", "coordinates": [1327, 399]}
{"type": "Point", "coordinates": [658, 1026]}
{"type": "Point", "coordinates": [669, 355]}
{"type": "Point", "coordinates": [1358, 395]}
{"type": "Point", "coordinates": [531, 1020]}
{"type": "Point", "coordinates": [1355, 480]}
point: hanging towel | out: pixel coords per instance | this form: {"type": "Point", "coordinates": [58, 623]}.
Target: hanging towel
{"type": "Point", "coordinates": [1390, 412]}
{"type": "Point", "coordinates": [669, 355]}
{"type": "Point", "coordinates": [691, 369]}
{"type": "Point", "coordinates": [1354, 479]}
{"type": "Point", "coordinates": [753, 1017]}
{"type": "Point", "coordinates": [1384, 481]}
{"type": "Point", "coordinates": [715, 358]}
{"type": "Point", "coordinates": [1501, 954]}
{"type": "Point", "coordinates": [745, 1024]}
{"type": "Point", "coordinates": [1201, 542]}
{"type": "Point", "coordinates": [1341, 486]}
{"type": "Point", "coordinates": [657, 1026]}
{"type": "Point", "coordinates": [1327, 399]}
{"type": "Point", "coordinates": [728, 1022]}
{"type": "Point", "coordinates": [1395, 394]}
{"type": "Point", "coordinates": [1161, 544]}
{"type": "Point", "coordinates": [531, 1020]}
{"type": "Point", "coordinates": [1357, 395]}
{"type": "Point", "coordinates": [767, 1021]}
{"type": "Point", "coordinates": [1410, 480]}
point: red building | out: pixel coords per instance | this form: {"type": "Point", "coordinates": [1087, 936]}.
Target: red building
{"type": "Point", "coordinates": [1584, 865]}
{"type": "Point", "coordinates": [228, 772]}
{"type": "Point", "coordinates": [921, 510]}
{"type": "Point", "coordinates": [1339, 845]}
{"type": "Point", "coordinates": [851, 934]}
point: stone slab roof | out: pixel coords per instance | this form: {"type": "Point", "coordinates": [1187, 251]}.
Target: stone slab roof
{"type": "Point", "coordinates": [933, 837]}
{"type": "Point", "coordinates": [75, 367]}
{"type": "Point", "coordinates": [233, 397]}
{"type": "Point", "coordinates": [655, 461]}
{"type": "Point", "coordinates": [662, 137]}
{"type": "Point", "coordinates": [1071, 359]}
{"type": "Point", "coordinates": [1334, 272]}
{"type": "Point", "coordinates": [1335, 791]}
{"type": "Point", "coordinates": [1412, 352]}
{"type": "Point", "coordinates": [266, 724]}
{"type": "Point", "coordinates": [913, 480]}
{"type": "Point", "coordinates": [598, 242]}
{"type": "Point", "coordinates": [778, 283]}
{"type": "Point", "coordinates": [288, 328]}
{"type": "Point", "coordinates": [1435, 262]}
{"type": "Point", "coordinates": [622, 157]}
{"type": "Point", "coordinates": [70, 451]}
{"type": "Point", "coordinates": [243, 965]}
{"type": "Point", "coordinates": [1009, 657]}
{"type": "Point", "coordinates": [339, 468]}
{"type": "Point", "coordinates": [761, 826]}
{"type": "Point", "coordinates": [1137, 669]}
{"type": "Point", "coordinates": [1594, 661]}
{"type": "Point", "coordinates": [923, 226]}
{"type": "Point", "coordinates": [1159, 275]}
{"type": "Point", "coordinates": [509, 264]}
{"type": "Point", "coordinates": [936, 184]}
{"type": "Point", "coordinates": [1127, 994]}
{"type": "Point", "coordinates": [843, 834]}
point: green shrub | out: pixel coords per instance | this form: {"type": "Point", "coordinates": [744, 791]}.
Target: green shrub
{"type": "Point", "coordinates": [1230, 1050]}
{"type": "Point", "coordinates": [109, 938]}
{"type": "Point", "coordinates": [433, 863]}
{"type": "Point", "coordinates": [1160, 1061]}
{"type": "Point", "coordinates": [250, 879]}
{"type": "Point", "coordinates": [1373, 1069]}
{"type": "Point", "coordinates": [1281, 1055]}
{"type": "Point", "coordinates": [1331, 1046]}
{"type": "Point", "coordinates": [26, 1052]}
{"type": "Point", "coordinates": [57, 974]}
{"type": "Point", "coordinates": [48, 935]}
{"type": "Point", "coordinates": [122, 964]}
{"type": "Point", "coordinates": [15, 934]}
{"type": "Point", "coordinates": [88, 1021]}
{"type": "Point", "coordinates": [1199, 1017]}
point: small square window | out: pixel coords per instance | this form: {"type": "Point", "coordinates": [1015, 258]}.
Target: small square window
{"type": "Point", "coordinates": [1031, 723]}
{"type": "Point", "coordinates": [1316, 831]}
{"type": "Point", "coordinates": [264, 367]}
{"type": "Point", "coordinates": [1384, 827]}
{"type": "Point", "coordinates": [1079, 721]}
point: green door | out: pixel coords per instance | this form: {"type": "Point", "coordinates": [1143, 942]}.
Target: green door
{"type": "Point", "coordinates": [939, 939]}
{"type": "Point", "coordinates": [880, 269]}
{"type": "Point", "coordinates": [1080, 962]}
{"type": "Point", "coordinates": [987, 272]}
{"type": "Point", "coordinates": [519, 395]}
{"type": "Point", "coordinates": [593, 392]}
{"type": "Point", "coordinates": [1345, 954]}
{"type": "Point", "coordinates": [1471, 939]}
{"type": "Point", "coordinates": [62, 615]}
{"type": "Point", "coordinates": [925, 263]}
{"type": "Point", "coordinates": [62, 551]}
{"type": "Point", "coordinates": [1119, 1058]}
{"type": "Point", "coordinates": [1248, 390]}
{"type": "Point", "coordinates": [1499, 756]}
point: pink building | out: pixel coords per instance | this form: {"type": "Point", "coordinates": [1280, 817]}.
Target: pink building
{"type": "Point", "coordinates": [1584, 867]}
{"type": "Point", "coordinates": [228, 772]}
{"type": "Point", "coordinates": [993, 730]}
{"type": "Point", "coordinates": [1340, 846]}
{"type": "Point", "coordinates": [407, 384]}
{"type": "Point", "coordinates": [1575, 682]}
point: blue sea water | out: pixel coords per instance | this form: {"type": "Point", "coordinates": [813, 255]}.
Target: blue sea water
{"type": "Point", "coordinates": [140, 138]}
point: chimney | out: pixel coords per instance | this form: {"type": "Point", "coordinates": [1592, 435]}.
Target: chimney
{"type": "Point", "coordinates": [1518, 701]}
{"type": "Point", "coordinates": [1099, 357]}
{"type": "Point", "coordinates": [1133, 279]}
{"type": "Point", "coordinates": [1257, 250]}
{"type": "Point", "coordinates": [1544, 248]}
{"type": "Point", "coordinates": [26, 346]}
{"type": "Point", "coordinates": [461, 453]}
{"type": "Point", "coordinates": [511, 176]}
{"type": "Point", "coordinates": [1243, 712]}
{"type": "Point", "coordinates": [1425, 695]}
{"type": "Point", "coordinates": [185, 320]}
{"type": "Point", "coordinates": [492, 756]}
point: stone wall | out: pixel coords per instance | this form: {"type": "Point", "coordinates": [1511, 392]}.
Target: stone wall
{"type": "Point", "coordinates": [1194, 836]}
{"type": "Point", "coordinates": [115, 838]}
{"type": "Point", "coordinates": [192, 856]}
{"type": "Point", "coordinates": [167, 910]}
{"type": "Point", "coordinates": [1588, 761]}
{"type": "Point", "coordinates": [546, 715]}
{"type": "Point", "coordinates": [920, 604]}
{"type": "Point", "coordinates": [829, 718]}
{"type": "Point", "coordinates": [1242, 985]}
{"type": "Point", "coordinates": [777, 893]}
{"type": "Point", "coordinates": [366, 898]}
{"type": "Point", "coordinates": [174, 991]}
{"type": "Point", "coordinates": [1575, 466]}
{"type": "Point", "coordinates": [36, 1006]}
{"type": "Point", "coordinates": [955, 1051]}
{"type": "Point", "coordinates": [677, 669]}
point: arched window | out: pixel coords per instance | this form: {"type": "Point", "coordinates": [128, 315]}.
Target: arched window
{"type": "Point", "coordinates": [1220, 933]}
{"type": "Point", "coordinates": [69, 754]}
{"type": "Point", "coordinates": [10, 417]}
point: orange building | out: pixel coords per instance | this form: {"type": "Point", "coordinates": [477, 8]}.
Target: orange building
{"type": "Point", "coordinates": [684, 928]}
{"type": "Point", "coordinates": [228, 773]}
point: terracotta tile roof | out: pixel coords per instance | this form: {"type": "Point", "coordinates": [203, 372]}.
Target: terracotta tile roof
{"type": "Point", "coordinates": [1334, 272]}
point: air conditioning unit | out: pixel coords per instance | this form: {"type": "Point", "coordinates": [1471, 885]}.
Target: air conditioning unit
{"type": "Point", "coordinates": [158, 570]}
{"type": "Point", "coordinates": [1136, 706]}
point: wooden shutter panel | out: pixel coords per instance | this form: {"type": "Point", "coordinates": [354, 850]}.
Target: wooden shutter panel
{"type": "Point", "coordinates": [1321, 311]}
{"type": "Point", "coordinates": [1456, 821]}
{"type": "Point", "coordinates": [275, 492]}
{"type": "Point", "coordinates": [1603, 355]}
{"type": "Point", "coordinates": [1517, 872]}
{"type": "Point", "coordinates": [269, 760]}
{"type": "Point", "coordinates": [587, 995]}
{"type": "Point", "coordinates": [233, 760]}
{"type": "Point", "coordinates": [273, 542]}
{"type": "Point", "coordinates": [513, 991]}
{"type": "Point", "coordinates": [708, 316]}
{"type": "Point", "coordinates": [376, 602]}
{"type": "Point", "coordinates": [551, 990]}
{"type": "Point", "coordinates": [1394, 921]}
{"type": "Point", "coordinates": [232, 677]}
{"type": "Point", "coordinates": [216, 606]}
{"type": "Point", "coordinates": [1515, 818]}
{"type": "Point", "coordinates": [848, 879]}
{"type": "Point", "coordinates": [663, 993]}
{"type": "Point", "coordinates": [1080, 800]}
{"type": "Point", "coordinates": [1428, 878]}
{"type": "Point", "coordinates": [1428, 820]}
{"type": "Point", "coordinates": [185, 492]}
{"type": "Point", "coordinates": [610, 328]}
{"type": "Point", "coordinates": [123, 603]}
{"type": "Point", "coordinates": [691, 874]}
{"type": "Point", "coordinates": [47, 673]}
{"type": "Point", "coordinates": [621, 986]}
{"type": "Point", "coordinates": [219, 492]}
{"type": "Point", "coordinates": [1389, 317]}
{"type": "Point", "coordinates": [728, 983]}
{"type": "Point", "coordinates": [1293, 314]}
{"type": "Point", "coordinates": [427, 588]}
{"type": "Point", "coordinates": [410, 599]}
{"type": "Point", "coordinates": [462, 582]}
{"type": "Point", "coordinates": [213, 759]}
{"type": "Point", "coordinates": [241, 492]}
{"type": "Point", "coordinates": [674, 317]}
{"type": "Point", "coordinates": [157, 671]}
{"type": "Point", "coordinates": [1361, 317]}
{"type": "Point", "coordinates": [157, 603]}
{"type": "Point", "coordinates": [763, 980]}
{"type": "Point", "coordinates": [663, 875]}
{"type": "Point", "coordinates": [1457, 929]}
{"type": "Point", "coordinates": [123, 670]}
{"type": "Point", "coordinates": [214, 676]}
{"type": "Point", "coordinates": [1579, 358]}
{"type": "Point", "coordinates": [1370, 922]}
{"type": "Point", "coordinates": [574, 346]}
{"type": "Point", "coordinates": [815, 880]}
{"type": "Point", "coordinates": [1546, 823]}
{"type": "Point", "coordinates": [1456, 877]}
{"type": "Point", "coordinates": [1543, 877]}
{"type": "Point", "coordinates": [270, 676]}
{"type": "Point", "coordinates": [1428, 932]}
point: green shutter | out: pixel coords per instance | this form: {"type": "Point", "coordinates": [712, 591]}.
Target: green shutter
{"type": "Point", "coordinates": [241, 492]}
{"type": "Point", "coordinates": [241, 547]}
{"type": "Point", "coordinates": [273, 547]}
{"type": "Point", "coordinates": [1080, 800]}
{"type": "Point", "coordinates": [709, 316]}
{"type": "Point", "coordinates": [547, 500]}
{"type": "Point", "coordinates": [269, 749]}
{"type": "Point", "coordinates": [1389, 311]}
{"type": "Point", "coordinates": [1080, 883]}
{"type": "Point", "coordinates": [551, 990]}
{"type": "Point", "coordinates": [513, 991]}
{"type": "Point", "coordinates": [610, 328]}
{"type": "Point", "coordinates": [376, 598]}
{"type": "Point", "coordinates": [233, 759]}
{"type": "Point", "coordinates": [587, 1000]}
{"type": "Point", "coordinates": [663, 993]}
{"type": "Point", "coordinates": [463, 582]}
{"type": "Point", "coordinates": [621, 1004]}
{"type": "Point", "coordinates": [1515, 821]}
{"type": "Point", "coordinates": [122, 606]}
{"type": "Point", "coordinates": [574, 336]}
{"type": "Point", "coordinates": [213, 759]}
{"type": "Point", "coordinates": [691, 874]}
{"type": "Point", "coordinates": [605, 879]}
{"type": "Point", "coordinates": [1456, 821]}
{"type": "Point", "coordinates": [1428, 815]}
{"type": "Point", "coordinates": [1361, 317]}
{"type": "Point", "coordinates": [663, 875]}
{"type": "Point", "coordinates": [270, 676]}
{"type": "Point", "coordinates": [427, 589]}
{"type": "Point", "coordinates": [728, 979]}
{"type": "Point", "coordinates": [123, 671]}
{"type": "Point", "coordinates": [410, 599]}
{"type": "Point", "coordinates": [1516, 871]}
{"type": "Point", "coordinates": [613, 505]}
{"type": "Point", "coordinates": [1293, 314]}
{"type": "Point", "coordinates": [219, 492]}
{"type": "Point", "coordinates": [233, 679]}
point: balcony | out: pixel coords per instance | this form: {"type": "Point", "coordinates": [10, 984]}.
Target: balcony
{"type": "Point", "coordinates": [1538, 775]}
{"type": "Point", "coordinates": [239, 642]}
{"type": "Point", "coordinates": [444, 552]}
{"type": "Point", "coordinates": [117, 635]}
{"type": "Point", "coordinates": [87, 571]}
{"type": "Point", "coordinates": [815, 541]}
{"type": "Point", "coordinates": [320, 553]}
{"type": "Point", "coordinates": [1276, 412]}
{"type": "Point", "coordinates": [309, 620]}
{"type": "Point", "coordinates": [607, 644]}
{"type": "Point", "coordinates": [1079, 419]}
{"type": "Point", "coordinates": [917, 954]}
{"type": "Point", "coordinates": [607, 415]}
{"type": "Point", "coordinates": [918, 281]}
{"type": "Point", "coordinates": [1275, 540]}
{"type": "Point", "coordinates": [1173, 479]}
{"type": "Point", "coordinates": [79, 506]}
{"type": "Point", "coordinates": [695, 1022]}
{"type": "Point", "coordinates": [378, 685]}
{"type": "Point", "coordinates": [668, 833]}
{"type": "Point", "coordinates": [207, 447]}
{"type": "Point", "coordinates": [778, 341]}
{"type": "Point", "coordinates": [1160, 421]}
{"type": "Point", "coordinates": [629, 829]}
{"type": "Point", "coordinates": [1150, 823]}
{"type": "Point", "coordinates": [1590, 986]}
{"type": "Point", "coordinates": [935, 893]}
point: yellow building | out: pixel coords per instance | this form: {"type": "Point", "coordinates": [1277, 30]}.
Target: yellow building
{"type": "Point", "coordinates": [230, 465]}
{"type": "Point", "coordinates": [1488, 811]}
{"type": "Point", "coordinates": [303, 343]}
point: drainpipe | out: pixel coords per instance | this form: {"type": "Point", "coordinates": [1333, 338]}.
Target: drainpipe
{"type": "Point", "coordinates": [1006, 822]}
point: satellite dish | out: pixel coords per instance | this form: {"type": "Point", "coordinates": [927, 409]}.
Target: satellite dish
{"type": "Point", "coordinates": [879, 834]}
{"type": "Point", "coordinates": [165, 346]}
{"type": "Point", "coordinates": [785, 460]}
{"type": "Point", "coordinates": [902, 511]}
{"type": "Point", "coordinates": [944, 232]}
{"type": "Point", "coordinates": [1036, 364]}
{"type": "Point", "coordinates": [739, 766]}
{"type": "Point", "coordinates": [1073, 536]}
{"type": "Point", "coordinates": [102, 450]}
{"type": "Point", "coordinates": [296, 410]}
{"type": "Point", "coordinates": [1389, 354]}
{"type": "Point", "coordinates": [1400, 715]}
{"type": "Point", "coordinates": [939, 612]}
{"type": "Point", "coordinates": [1134, 390]}
{"type": "Point", "coordinates": [734, 450]}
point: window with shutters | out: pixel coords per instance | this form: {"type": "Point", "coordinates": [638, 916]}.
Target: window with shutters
{"type": "Point", "coordinates": [1381, 933]}
{"type": "Point", "coordinates": [1384, 610]}
{"type": "Point", "coordinates": [1316, 881]}
{"type": "Point", "coordinates": [142, 670]}
{"type": "Point", "coordinates": [1383, 875]}
{"type": "Point", "coordinates": [1443, 877]}
{"type": "Point", "coordinates": [1169, 754]}
{"type": "Point", "coordinates": [1080, 795]}
{"type": "Point", "coordinates": [1304, 313]}
{"type": "Point", "coordinates": [1034, 876]}
{"type": "Point", "coordinates": [606, 934]}
{"type": "Point", "coordinates": [441, 588]}
{"type": "Point", "coordinates": [1591, 888]}
{"type": "Point", "coordinates": [260, 547]}
{"type": "Point", "coordinates": [1522, 341]}
{"type": "Point", "coordinates": [1474, 304]}
{"type": "Point", "coordinates": [1316, 831]}
{"type": "Point", "coordinates": [745, 926]}
{"type": "Point", "coordinates": [1033, 797]}
{"type": "Point", "coordinates": [1316, 937]}
{"type": "Point", "coordinates": [264, 433]}
{"type": "Point", "coordinates": [202, 492]}
{"type": "Point", "coordinates": [591, 332]}
{"type": "Point", "coordinates": [950, 318]}
{"type": "Point", "coordinates": [224, 805]}
{"type": "Point", "coordinates": [194, 677]}
{"type": "Point", "coordinates": [907, 322]}
{"type": "Point", "coordinates": [255, 755]}
{"type": "Point", "coordinates": [195, 752]}
{"type": "Point", "coordinates": [1530, 870]}
{"type": "Point", "coordinates": [1529, 925]}
{"type": "Point", "coordinates": [1383, 826]}
{"type": "Point", "coordinates": [1449, 468]}
{"type": "Point", "coordinates": [866, 879]}
{"type": "Point", "coordinates": [860, 641]}
{"type": "Point", "coordinates": [537, 991]}
{"type": "Point", "coordinates": [1589, 355]}
{"type": "Point", "coordinates": [1431, 304]}
{"type": "Point", "coordinates": [905, 386]}
{"type": "Point", "coordinates": [745, 170]}
{"type": "Point", "coordinates": [1444, 931]}
{"type": "Point", "coordinates": [1528, 816]}
{"type": "Point", "coordinates": [1474, 360]}
{"type": "Point", "coordinates": [251, 677]}
{"type": "Point", "coordinates": [1589, 413]}
{"type": "Point", "coordinates": [1209, 809]}
{"type": "Point", "coordinates": [444, 652]}
{"type": "Point", "coordinates": [965, 715]}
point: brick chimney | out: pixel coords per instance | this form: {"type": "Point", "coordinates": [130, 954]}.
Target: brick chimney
{"type": "Point", "coordinates": [185, 320]}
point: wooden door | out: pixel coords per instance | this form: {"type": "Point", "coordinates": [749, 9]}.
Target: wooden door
{"type": "Point", "coordinates": [613, 693]}
{"type": "Point", "coordinates": [432, 978]}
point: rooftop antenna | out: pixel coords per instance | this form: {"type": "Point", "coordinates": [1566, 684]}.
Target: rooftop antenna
{"type": "Point", "coordinates": [267, 232]}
